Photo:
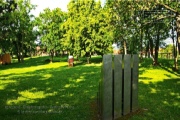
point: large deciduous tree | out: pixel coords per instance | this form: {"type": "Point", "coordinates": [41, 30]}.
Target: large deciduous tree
{"type": "Point", "coordinates": [6, 9]}
{"type": "Point", "coordinates": [87, 29]}
{"type": "Point", "coordinates": [172, 9]}
{"type": "Point", "coordinates": [133, 19]}
{"type": "Point", "coordinates": [17, 26]}
{"type": "Point", "coordinates": [22, 27]}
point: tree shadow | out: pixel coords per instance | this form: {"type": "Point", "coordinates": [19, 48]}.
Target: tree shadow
{"type": "Point", "coordinates": [168, 66]}
{"type": "Point", "coordinates": [146, 63]}
{"type": "Point", "coordinates": [159, 97]}
{"type": "Point", "coordinates": [145, 78]}
{"type": "Point", "coordinates": [36, 61]}
{"type": "Point", "coordinates": [70, 93]}
{"type": "Point", "coordinates": [165, 64]}
{"type": "Point", "coordinates": [61, 93]}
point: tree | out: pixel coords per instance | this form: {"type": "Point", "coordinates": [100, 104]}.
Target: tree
{"type": "Point", "coordinates": [17, 26]}
{"type": "Point", "coordinates": [174, 9]}
{"type": "Point", "coordinates": [168, 48]}
{"type": "Point", "coordinates": [87, 29]}
{"type": "Point", "coordinates": [134, 19]}
{"type": "Point", "coordinates": [50, 27]}
{"type": "Point", "coordinates": [22, 27]}
{"type": "Point", "coordinates": [6, 8]}
{"type": "Point", "coordinates": [126, 24]}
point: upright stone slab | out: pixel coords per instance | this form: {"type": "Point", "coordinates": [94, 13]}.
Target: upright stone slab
{"type": "Point", "coordinates": [127, 84]}
{"type": "Point", "coordinates": [117, 86]}
{"type": "Point", "coordinates": [135, 83]}
{"type": "Point", "coordinates": [107, 88]}
{"type": "Point", "coordinates": [100, 98]}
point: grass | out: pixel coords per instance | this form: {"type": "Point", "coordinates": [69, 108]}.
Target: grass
{"type": "Point", "coordinates": [36, 89]}
{"type": "Point", "coordinates": [39, 90]}
{"type": "Point", "coordinates": [159, 91]}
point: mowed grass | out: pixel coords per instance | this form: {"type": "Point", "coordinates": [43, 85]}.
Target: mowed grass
{"type": "Point", "coordinates": [159, 91]}
{"type": "Point", "coordinates": [39, 90]}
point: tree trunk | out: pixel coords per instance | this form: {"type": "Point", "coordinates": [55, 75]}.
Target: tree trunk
{"type": "Point", "coordinates": [52, 55]}
{"type": "Point", "coordinates": [18, 51]}
{"type": "Point", "coordinates": [157, 47]}
{"type": "Point", "coordinates": [151, 45]}
{"type": "Point", "coordinates": [31, 52]}
{"type": "Point", "coordinates": [21, 53]}
{"type": "Point", "coordinates": [88, 60]}
{"type": "Point", "coordinates": [141, 43]}
{"type": "Point", "coordinates": [19, 47]}
{"type": "Point", "coordinates": [125, 47]}
{"type": "Point", "coordinates": [148, 43]}
{"type": "Point", "coordinates": [175, 45]}
{"type": "Point", "coordinates": [176, 58]}
{"type": "Point", "coordinates": [147, 50]}
{"type": "Point", "coordinates": [178, 38]}
{"type": "Point", "coordinates": [88, 56]}
{"type": "Point", "coordinates": [178, 30]}
{"type": "Point", "coordinates": [174, 53]}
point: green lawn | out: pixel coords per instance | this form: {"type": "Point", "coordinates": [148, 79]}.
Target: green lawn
{"type": "Point", "coordinates": [39, 90]}
{"type": "Point", "coordinates": [159, 92]}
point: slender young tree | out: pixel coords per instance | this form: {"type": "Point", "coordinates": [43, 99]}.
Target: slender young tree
{"type": "Point", "coordinates": [50, 27]}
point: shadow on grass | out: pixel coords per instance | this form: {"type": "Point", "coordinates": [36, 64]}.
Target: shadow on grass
{"type": "Point", "coordinates": [68, 93]}
{"type": "Point", "coordinates": [146, 63]}
{"type": "Point", "coordinates": [166, 64]}
{"type": "Point", "coordinates": [145, 78]}
{"type": "Point", "coordinates": [36, 61]}
{"type": "Point", "coordinates": [159, 100]}
{"type": "Point", "coordinates": [62, 93]}
{"type": "Point", "coordinates": [27, 63]}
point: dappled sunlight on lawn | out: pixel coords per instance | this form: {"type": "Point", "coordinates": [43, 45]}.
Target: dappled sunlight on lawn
{"type": "Point", "coordinates": [159, 96]}
{"type": "Point", "coordinates": [155, 75]}
{"type": "Point", "coordinates": [68, 92]}
{"type": "Point", "coordinates": [4, 83]}
{"type": "Point", "coordinates": [46, 76]}
{"type": "Point", "coordinates": [53, 84]}
{"type": "Point", "coordinates": [31, 69]}
{"type": "Point", "coordinates": [29, 96]}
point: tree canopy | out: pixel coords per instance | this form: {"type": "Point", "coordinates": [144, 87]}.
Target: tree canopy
{"type": "Point", "coordinates": [88, 27]}
{"type": "Point", "coordinates": [17, 27]}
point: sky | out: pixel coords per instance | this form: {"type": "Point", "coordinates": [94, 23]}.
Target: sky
{"type": "Point", "coordinates": [42, 4]}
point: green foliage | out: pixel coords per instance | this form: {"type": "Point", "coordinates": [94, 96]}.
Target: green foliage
{"type": "Point", "coordinates": [168, 48]}
{"type": "Point", "coordinates": [6, 7]}
{"type": "Point", "coordinates": [87, 28]}
{"type": "Point", "coordinates": [141, 25]}
{"type": "Point", "coordinates": [50, 29]}
{"type": "Point", "coordinates": [17, 27]}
